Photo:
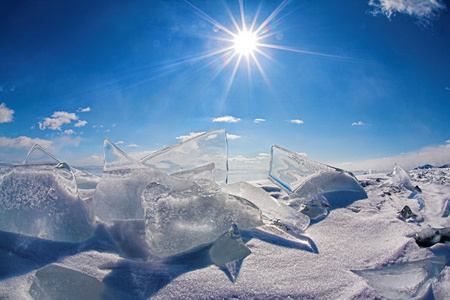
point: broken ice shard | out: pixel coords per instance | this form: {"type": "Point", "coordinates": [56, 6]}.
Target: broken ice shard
{"type": "Point", "coordinates": [270, 207]}
{"type": "Point", "coordinates": [118, 194]}
{"type": "Point", "coordinates": [429, 236]}
{"type": "Point", "coordinates": [307, 178]}
{"type": "Point", "coordinates": [176, 221]}
{"type": "Point", "coordinates": [407, 213]}
{"type": "Point", "coordinates": [446, 212]}
{"type": "Point", "coordinates": [228, 248]}
{"type": "Point", "coordinates": [41, 200]}
{"type": "Point", "coordinates": [56, 282]}
{"type": "Point", "coordinates": [203, 176]}
{"type": "Point", "coordinates": [405, 280]}
{"type": "Point", "coordinates": [207, 148]}
{"type": "Point", "coordinates": [401, 178]}
{"type": "Point", "coordinates": [37, 155]}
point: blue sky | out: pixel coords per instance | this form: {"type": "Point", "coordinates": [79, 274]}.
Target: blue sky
{"type": "Point", "coordinates": [350, 83]}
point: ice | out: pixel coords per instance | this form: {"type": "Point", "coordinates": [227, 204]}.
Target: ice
{"type": "Point", "coordinates": [429, 236]}
{"type": "Point", "coordinates": [118, 194]}
{"type": "Point", "coordinates": [207, 148]}
{"type": "Point", "coordinates": [446, 212]}
{"type": "Point", "coordinates": [37, 155]}
{"type": "Point", "coordinates": [307, 178]}
{"type": "Point", "coordinates": [407, 213]}
{"type": "Point", "coordinates": [176, 221]}
{"type": "Point", "coordinates": [405, 280]}
{"type": "Point", "coordinates": [270, 207]}
{"type": "Point", "coordinates": [202, 175]}
{"type": "Point", "coordinates": [42, 200]}
{"type": "Point", "coordinates": [401, 178]}
{"type": "Point", "coordinates": [228, 248]}
{"type": "Point", "coordinates": [316, 209]}
{"type": "Point", "coordinates": [56, 282]}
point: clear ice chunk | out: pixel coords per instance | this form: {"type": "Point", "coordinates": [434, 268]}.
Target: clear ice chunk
{"type": "Point", "coordinates": [446, 212]}
{"type": "Point", "coordinates": [176, 221]}
{"type": "Point", "coordinates": [228, 248]}
{"type": "Point", "coordinates": [207, 148]}
{"type": "Point", "coordinates": [203, 176]}
{"type": "Point", "coordinates": [37, 155]}
{"type": "Point", "coordinates": [118, 194]}
{"type": "Point", "coordinates": [307, 178]}
{"type": "Point", "coordinates": [270, 207]}
{"type": "Point", "coordinates": [56, 282]}
{"type": "Point", "coordinates": [405, 280]}
{"type": "Point", "coordinates": [401, 178]}
{"type": "Point", "coordinates": [42, 200]}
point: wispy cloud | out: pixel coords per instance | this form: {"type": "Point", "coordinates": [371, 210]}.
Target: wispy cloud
{"type": "Point", "coordinates": [228, 119]}
{"type": "Point", "coordinates": [233, 136]}
{"type": "Point", "coordinates": [296, 121]}
{"type": "Point", "coordinates": [87, 109]}
{"type": "Point", "coordinates": [80, 123]}
{"type": "Point", "coordinates": [447, 88]}
{"type": "Point", "coordinates": [191, 135]}
{"type": "Point", "coordinates": [58, 119]}
{"type": "Point", "coordinates": [133, 146]}
{"type": "Point", "coordinates": [259, 120]}
{"type": "Point", "coordinates": [119, 142]}
{"type": "Point", "coordinates": [436, 156]}
{"type": "Point", "coordinates": [422, 10]}
{"type": "Point", "coordinates": [24, 142]}
{"type": "Point", "coordinates": [359, 124]}
{"type": "Point", "coordinates": [6, 114]}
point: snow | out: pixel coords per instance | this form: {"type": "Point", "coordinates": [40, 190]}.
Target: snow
{"type": "Point", "coordinates": [270, 261]}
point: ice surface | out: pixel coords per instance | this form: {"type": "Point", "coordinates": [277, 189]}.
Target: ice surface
{"type": "Point", "coordinates": [228, 248]}
{"type": "Point", "coordinates": [401, 178]}
{"type": "Point", "coordinates": [118, 194]}
{"type": "Point", "coordinates": [56, 282]}
{"type": "Point", "coordinates": [270, 207]}
{"type": "Point", "coordinates": [404, 280]}
{"type": "Point", "coordinates": [316, 209]}
{"type": "Point", "coordinates": [207, 148]}
{"type": "Point", "coordinates": [307, 178]}
{"type": "Point", "coordinates": [42, 200]}
{"type": "Point", "coordinates": [203, 175]}
{"type": "Point", "coordinates": [176, 221]}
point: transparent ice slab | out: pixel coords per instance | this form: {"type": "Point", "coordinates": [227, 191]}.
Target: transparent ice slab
{"type": "Point", "coordinates": [176, 221]}
{"type": "Point", "coordinates": [207, 148]}
{"type": "Point", "coordinates": [401, 178]}
{"type": "Point", "coordinates": [405, 280]}
{"type": "Point", "coordinates": [228, 248]}
{"type": "Point", "coordinates": [42, 200]}
{"type": "Point", "coordinates": [270, 207]}
{"type": "Point", "coordinates": [307, 178]}
{"type": "Point", "coordinates": [56, 282]}
{"type": "Point", "coordinates": [118, 194]}
{"type": "Point", "coordinates": [37, 155]}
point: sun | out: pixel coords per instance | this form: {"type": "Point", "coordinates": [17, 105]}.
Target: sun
{"type": "Point", "coordinates": [245, 43]}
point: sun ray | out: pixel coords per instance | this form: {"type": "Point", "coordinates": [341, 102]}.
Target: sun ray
{"type": "Point", "coordinates": [272, 15]}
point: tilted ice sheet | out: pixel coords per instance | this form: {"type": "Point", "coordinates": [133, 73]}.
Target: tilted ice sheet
{"type": "Point", "coordinates": [118, 194]}
{"type": "Point", "coordinates": [307, 178]}
{"type": "Point", "coordinates": [271, 207]}
{"type": "Point", "coordinates": [42, 200]}
{"type": "Point", "coordinates": [228, 248]}
{"type": "Point", "coordinates": [207, 148]}
{"type": "Point", "coordinates": [401, 178]}
{"type": "Point", "coordinates": [404, 280]}
{"type": "Point", "coordinates": [179, 221]}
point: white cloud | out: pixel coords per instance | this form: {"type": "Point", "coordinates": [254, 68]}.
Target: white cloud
{"type": "Point", "coordinates": [24, 142]}
{"type": "Point", "coordinates": [58, 119]}
{"type": "Point", "coordinates": [6, 114]}
{"type": "Point", "coordinates": [259, 120]}
{"type": "Point", "coordinates": [69, 132]}
{"type": "Point", "coordinates": [423, 10]}
{"type": "Point", "coordinates": [119, 142]}
{"type": "Point", "coordinates": [191, 135]}
{"type": "Point", "coordinates": [233, 136]}
{"type": "Point", "coordinates": [436, 156]}
{"type": "Point", "coordinates": [228, 119]}
{"type": "Point", "coordinates": [448, 141]}
{"type": "Point", "coordinates": [95, 126]}
{"type": "Point", "coordinates": [87, 109]}
{"type": "Point", "coordinates": [133, 145]}
{"type": "Point", "coordinates": [359, 124]}
{"type": "Point", "coordinates": [296, 121]}
{"type": "Point", "coordinates": [80, 123]}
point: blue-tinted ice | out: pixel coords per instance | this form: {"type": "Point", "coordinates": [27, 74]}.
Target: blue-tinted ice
{"type": "Point", "coordinates": [42, 200]}
{"type": "Point", "coordinates": [176, 221]}
{"type": "Point", "coordinates": [405, 280]}
{"type": "Point", "coordinates": [118, 194]}
{"type": "Point", "coordinates": [228, 248]}
{"type": "Point", "coordinates": [401, 178]}
{"type": "Point", "coordinates": [307, 178]}
{"type": "Point", "coordinates": [207, 148]}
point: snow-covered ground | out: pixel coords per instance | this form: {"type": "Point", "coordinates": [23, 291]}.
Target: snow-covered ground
{"type": "Point", "coordinates": [366, 234]}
